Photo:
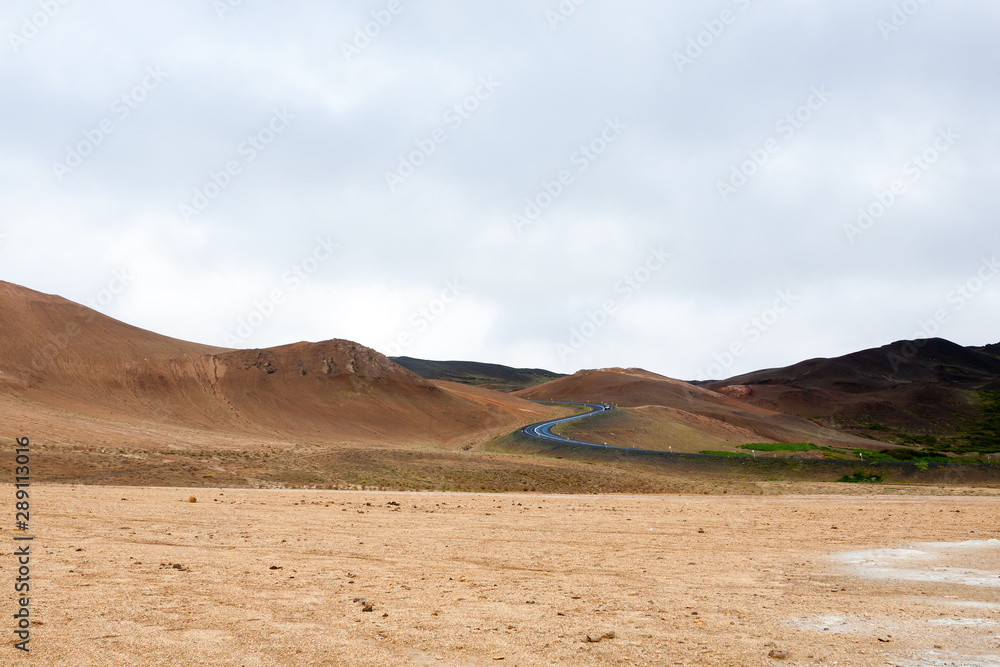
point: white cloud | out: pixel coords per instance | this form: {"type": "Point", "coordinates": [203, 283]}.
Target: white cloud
{"type": "Point", "coordinates": [325, 174]}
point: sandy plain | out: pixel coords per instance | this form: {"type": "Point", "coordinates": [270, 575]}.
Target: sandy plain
{"type": "Point", "coordinates": [143, 576]}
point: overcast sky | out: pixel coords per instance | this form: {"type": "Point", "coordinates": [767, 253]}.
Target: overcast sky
{"type": "Point", "coordinates": [677, 186]}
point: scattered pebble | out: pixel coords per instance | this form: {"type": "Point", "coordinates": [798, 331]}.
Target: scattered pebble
{"type": "Point", "coordinates": [175, 566]}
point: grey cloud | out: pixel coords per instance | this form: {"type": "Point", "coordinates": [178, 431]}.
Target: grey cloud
{"type": "Point", "coordinates": [687, 130]}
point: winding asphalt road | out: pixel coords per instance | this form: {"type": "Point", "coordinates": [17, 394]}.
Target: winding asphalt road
{"type": "Point", "coordinates": [543, 430]}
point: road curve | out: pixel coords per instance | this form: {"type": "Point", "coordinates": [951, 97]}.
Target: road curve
{"type": "Point", "coordinates": [543, 430]}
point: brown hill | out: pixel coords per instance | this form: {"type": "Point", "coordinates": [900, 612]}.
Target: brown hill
{"type": "Point", "coordinates": [63, 360]}
{"type": "Point", "coordinates": [899, 391]}
{"type": "Point", "coordinates": [662, 412]}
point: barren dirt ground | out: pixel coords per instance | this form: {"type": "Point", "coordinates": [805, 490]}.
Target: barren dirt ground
{"type": "Point", "coordinates": [142, 576]}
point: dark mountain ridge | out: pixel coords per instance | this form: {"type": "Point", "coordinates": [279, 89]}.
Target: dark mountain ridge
{"type": "Point", "coordinates": [928, 391]}
{"type": "Point", "coordinates": [491, 376]}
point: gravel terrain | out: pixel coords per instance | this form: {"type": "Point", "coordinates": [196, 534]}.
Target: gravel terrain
{"type": "Point", "coordinates": [144, 576]}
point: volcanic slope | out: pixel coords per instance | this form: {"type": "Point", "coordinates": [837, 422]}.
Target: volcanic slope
{"type": "Point", "coordinates": [660, 413]}
{"type": "Point", "coordinates": [62, 363]}
{"type": "Point", "coordinates": [896, 392]}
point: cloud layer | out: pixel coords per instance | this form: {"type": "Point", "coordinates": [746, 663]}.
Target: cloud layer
{"type": "Point", "coordinates": [745, 183]}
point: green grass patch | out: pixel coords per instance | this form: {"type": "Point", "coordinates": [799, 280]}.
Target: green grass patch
{"type": "Point", "coordinates": [920, 457]}
{"type": "Point", "coordinates": [780, 446]}
{"type": "Point", "coordinates": [875, 426]}
{"type": "Point", "coordinates": [861, 477]}
{"type": "Point", "coordinates": [923, 439]}
{"type": "Point", "coordinates": [715, 453]}
{"type": "Point", "coordinates": [975, 436]}
{"type": "Point", "coordinates": [985, 437]}
{"type": "Point", "coordinates": [907, 455]}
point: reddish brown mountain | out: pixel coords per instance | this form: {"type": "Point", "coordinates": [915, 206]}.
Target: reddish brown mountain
{"type": "Point", "coordinates": [63, 359]}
